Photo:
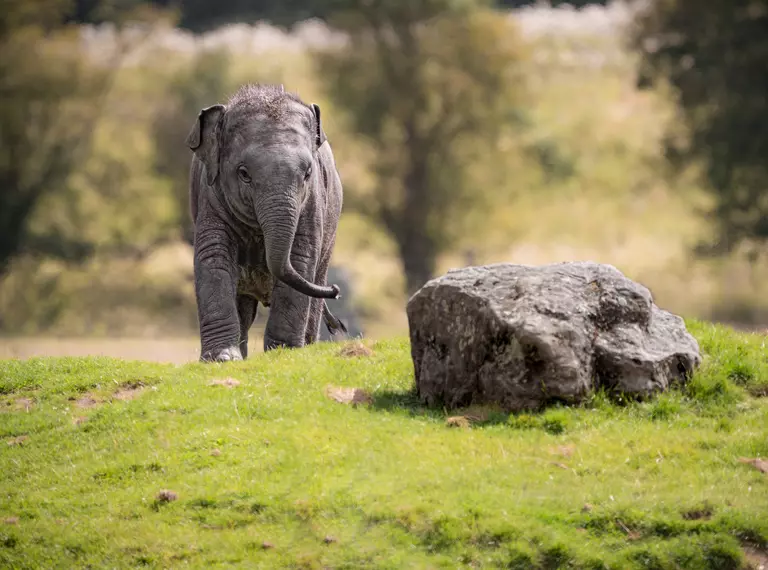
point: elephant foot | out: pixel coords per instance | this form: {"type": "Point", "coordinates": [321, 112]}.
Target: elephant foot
{"type": "Point", "coordinates": [229, 354]}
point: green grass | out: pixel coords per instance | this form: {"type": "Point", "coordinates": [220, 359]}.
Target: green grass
{"type": "Point", "coordinates": [641, 485]}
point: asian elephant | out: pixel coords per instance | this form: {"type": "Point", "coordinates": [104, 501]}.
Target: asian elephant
{"type": "Point", "coordinates": [265, 199]}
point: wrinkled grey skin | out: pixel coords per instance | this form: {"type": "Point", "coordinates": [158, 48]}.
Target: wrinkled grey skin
{"type": "Point", "coordinates": [265, 199]}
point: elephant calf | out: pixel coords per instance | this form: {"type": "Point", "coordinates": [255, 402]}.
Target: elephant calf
{"type": "Point", "coordinates": [265, 199]}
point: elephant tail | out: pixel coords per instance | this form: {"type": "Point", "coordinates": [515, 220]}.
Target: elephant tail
{"type": "Point", "coordinates": [335, 326]}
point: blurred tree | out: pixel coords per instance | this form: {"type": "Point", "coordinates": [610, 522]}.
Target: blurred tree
{"type": "Point", "coordinates": [716, 60]}
{"type": "Point", "coordinates": [99, 11]}
{"type": "Point", "coordinates": [205, 82]}
{"type": "Point", "coordinates": [52, 96]}
{"type": "Point", "coordinates": [554, 3]}
{"type": "Point", "coordinates": [202, 15]}
{"type": "Point", "coordinates": [431, 85]}
{"type": "Point", "coordinates": [114, 203]}
{"type": "Point", "coordinates": [48, 101]}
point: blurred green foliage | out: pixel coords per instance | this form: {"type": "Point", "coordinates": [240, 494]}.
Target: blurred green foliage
{"type": "Point", "coordinates": [716, 61]}
{"type": "Point", "coordinates": [76, 157]}
{"type": "Point", "coordinates": [49, 102]}
{"type": "Point", "coordinates": [207, 80]}
{"type": "Point", "coordinates": [528, 147]}
{"type": "Point", "coordinates": [432, 86]}
{"type": "Point", "coordinates": [202, 15]}
{"type": "Point", "coordinates": [73, 177]}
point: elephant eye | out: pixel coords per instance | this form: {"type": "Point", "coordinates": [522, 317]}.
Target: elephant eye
{"type": "Point", "coordinates": [243, 174]}
{"type": "Point", "coordinates": [308, 173]}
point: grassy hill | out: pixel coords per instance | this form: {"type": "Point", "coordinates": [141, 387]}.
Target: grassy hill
{"type": "Point", "coordinates": [120, 464]}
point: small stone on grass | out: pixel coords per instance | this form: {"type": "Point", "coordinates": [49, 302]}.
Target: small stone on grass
{"type": "Point", "coordinates": [759, 464]}
{"type": "Point", "coordinates": [18, 440]}
{"type": "Point", "coordinates": [129, 391]}
{"type": "Point", "coordinates": [166, 496]}
{"type": "Point", "coordinates": [354, 396]}
{"type": "Point", "coordinates": [458, 421]}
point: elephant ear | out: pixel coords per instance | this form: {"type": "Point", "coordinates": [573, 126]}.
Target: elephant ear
{"type": "Point", "coordinates": [203, 139]}
{"type": "Point", "coordinates": [320, 137]}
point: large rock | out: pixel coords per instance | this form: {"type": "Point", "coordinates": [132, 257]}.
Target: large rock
{"type": "Point", "coordinates": [521, 336]}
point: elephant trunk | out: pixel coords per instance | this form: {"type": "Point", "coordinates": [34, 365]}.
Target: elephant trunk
{"type": "Point", "coordinates": [278, 224]}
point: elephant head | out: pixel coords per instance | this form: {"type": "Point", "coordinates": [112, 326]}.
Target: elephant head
{"type": "Point", "coordinates": [260, 158]}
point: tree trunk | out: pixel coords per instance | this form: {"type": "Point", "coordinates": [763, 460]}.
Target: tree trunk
{"type": "Point", "coordinates": [13, 217]}
{"type": "Point", "coordinates": [418, 257]}
{"type": "Point", "coordinates": [418, 250]}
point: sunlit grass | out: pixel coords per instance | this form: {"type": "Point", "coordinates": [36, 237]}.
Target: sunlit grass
{"type": "Point", "coordinates": [271, 473]}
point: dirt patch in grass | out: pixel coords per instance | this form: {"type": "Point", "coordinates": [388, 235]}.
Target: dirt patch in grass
{"type": "Point", "coordinates": [18, 440]}
{"type": "Point", "coordinates": [458, 421]}
{"type": "Point", "coordinates": [756, 559]}
{"type": "Point", "coordinates": [23, 404]}
{"type": "Point", "coordinates": [125, 392]}
{"type": "Point", "coordinates": [16, 404]}
{"type": "Point", "coordinates": [355, 349]}
{"type": "Point", "coordinates": [758, 391]}
{"type": "Point", "coordinates": [86, 401]}
{"type": "Point", "coordinates": [129, 391]}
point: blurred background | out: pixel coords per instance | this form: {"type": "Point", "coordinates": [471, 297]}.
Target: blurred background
{"type": "Point", "coordinates": [466, 132]}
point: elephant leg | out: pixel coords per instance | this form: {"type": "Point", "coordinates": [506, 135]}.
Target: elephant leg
{"type": "Point", "coordinates": [313, 322]}
{"type": "Point", "coordinates": [246, 310]}
{"type": "Point", "coordinates": [215, 289]}
{"type": "Point", "coordinates": [320, 311]}
{"type": "Point", "coordinates": [312, 330]}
